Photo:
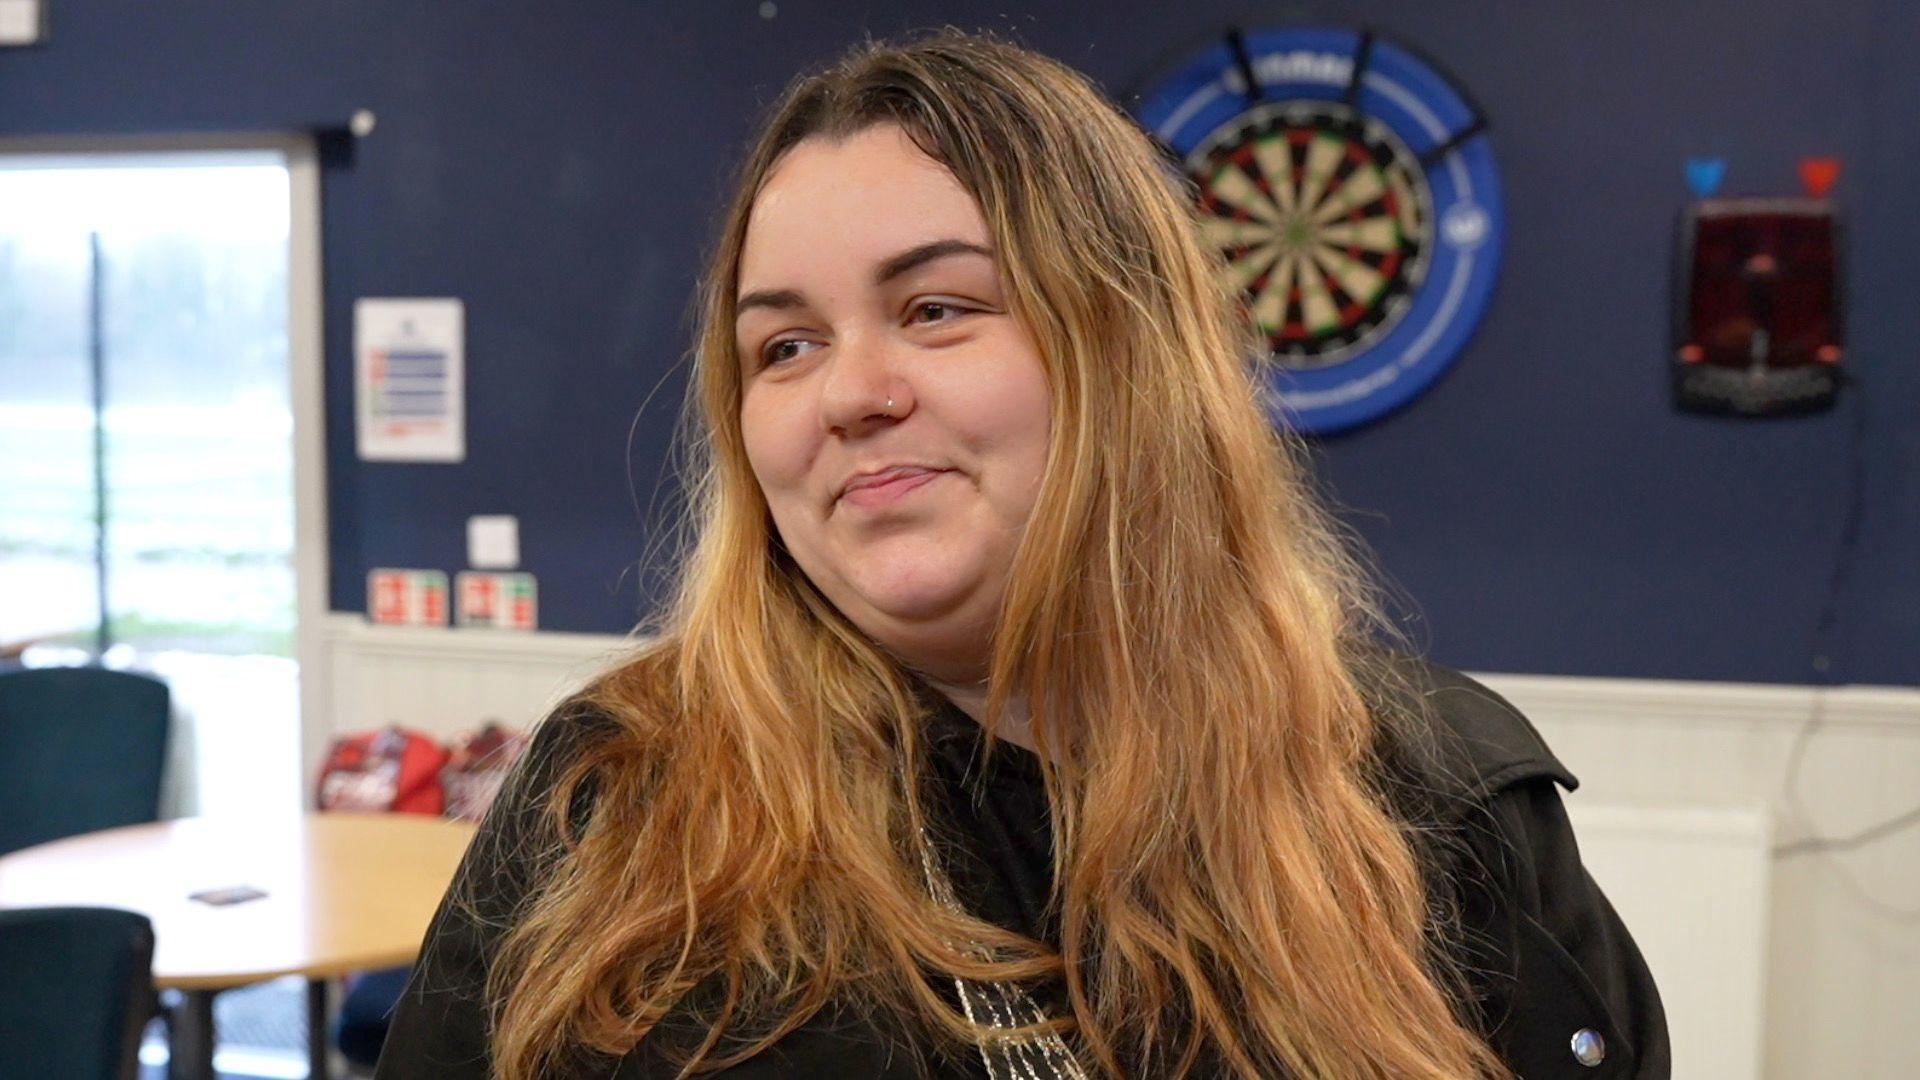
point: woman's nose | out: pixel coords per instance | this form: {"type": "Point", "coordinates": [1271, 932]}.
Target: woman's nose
{"type": "Point", "coordinates": [862, 390]}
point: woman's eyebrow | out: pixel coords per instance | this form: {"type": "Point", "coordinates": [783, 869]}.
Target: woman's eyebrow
{"type": "Point", "coordinates": [778, 299]}
{"type": "Point", "coordinates": [921, 254]}
{"type": "Point", "coordinates": [891, 267]}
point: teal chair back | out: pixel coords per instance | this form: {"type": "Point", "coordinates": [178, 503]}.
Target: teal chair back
{"type": "Point", "coordinates": [75, 992]}
{"type": "Point", "coordinates": [80, 749]}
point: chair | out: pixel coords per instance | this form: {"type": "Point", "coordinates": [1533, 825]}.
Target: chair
{"type": "Point", "coordinates": [75, 992]}
{"type": "Point", "coordinates": [366, 1012]}
{"type": "Point", "coordinates": [82, 749]}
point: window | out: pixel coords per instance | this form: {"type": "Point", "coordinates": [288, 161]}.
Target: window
{"type": "Point", "coordinates": [146, 451]}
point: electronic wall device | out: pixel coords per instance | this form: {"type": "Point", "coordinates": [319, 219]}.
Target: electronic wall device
{"type": "Point", "coordinates": [1757, 320]}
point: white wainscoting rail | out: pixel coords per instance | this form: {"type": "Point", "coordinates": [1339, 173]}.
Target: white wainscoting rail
{"type": "Point", "coordinates": [1667, 768]}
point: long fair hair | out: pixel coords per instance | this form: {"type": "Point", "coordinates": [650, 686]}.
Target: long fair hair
{"type": "Point", "coordinates": [1183, 620]}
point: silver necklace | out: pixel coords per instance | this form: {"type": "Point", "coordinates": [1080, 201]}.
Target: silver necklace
{"type": "Point", "coordinates": [1005, 1006]}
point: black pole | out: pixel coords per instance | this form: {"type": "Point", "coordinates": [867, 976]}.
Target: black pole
{"type": "Point", "coordinates": [96, 348]}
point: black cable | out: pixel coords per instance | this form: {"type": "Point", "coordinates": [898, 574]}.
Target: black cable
{"type": "Point", "coordinates": [1827, 671]}
{"type": "Point", "coordinates": [1846, 843]}
{"type": "Point", "coordinates": [1824, 626]}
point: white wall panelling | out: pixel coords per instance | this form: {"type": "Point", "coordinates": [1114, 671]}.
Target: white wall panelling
{"type": "Point", "coordinates": [1693, 885]}
{"type": "Point", "coordinates": [1842, 968]}
{"type": "Point", "coordinates": [445, 681]}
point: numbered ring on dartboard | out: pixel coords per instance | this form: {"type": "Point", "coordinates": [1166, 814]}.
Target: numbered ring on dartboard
{"type": "Point", "coordinates": [1352, 195]}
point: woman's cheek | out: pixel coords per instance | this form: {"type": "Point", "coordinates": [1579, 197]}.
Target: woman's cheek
{"type": "Point", "coordinates": [776, 442]}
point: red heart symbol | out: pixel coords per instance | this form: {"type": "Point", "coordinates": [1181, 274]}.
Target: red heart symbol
{"type": "Point", "coordinates": [1818, 174]}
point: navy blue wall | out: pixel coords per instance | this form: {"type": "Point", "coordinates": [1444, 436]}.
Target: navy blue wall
{"type": "Point", "coordinates": [558, 166]}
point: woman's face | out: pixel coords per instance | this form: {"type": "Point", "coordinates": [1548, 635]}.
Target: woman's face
{"type": "Point", "coordinates": [894, 412]}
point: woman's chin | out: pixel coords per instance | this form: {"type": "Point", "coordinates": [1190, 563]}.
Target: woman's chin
{"type": "Point", "coordinates": [927, 623]}
{"type": "Point", "coordinates": [917, 607]}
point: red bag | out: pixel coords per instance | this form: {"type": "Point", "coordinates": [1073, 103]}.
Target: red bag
{"type": "Point", "coordinates": [393, 769]}
{"type": "Point", "coordinates": [477, 767]}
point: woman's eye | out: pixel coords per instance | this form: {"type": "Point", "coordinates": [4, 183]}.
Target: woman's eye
{"type": "Point", "coordinates": [784, 349]}
{"type": "Point", "coordinates": [935, 311]}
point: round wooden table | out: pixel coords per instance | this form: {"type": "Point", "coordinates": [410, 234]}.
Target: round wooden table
{"type": "Point", "coordinates": [345, 892]}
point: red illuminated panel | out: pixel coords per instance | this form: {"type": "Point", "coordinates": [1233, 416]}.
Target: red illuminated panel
{"type": "Point", "coordinates": [1758, 326]}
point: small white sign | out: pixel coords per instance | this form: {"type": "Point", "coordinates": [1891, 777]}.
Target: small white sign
{"type": "Point", "coordinates": [493, 542]}
{"type": "Point", "coordinates": [410, 379]}
{"type": "Point", "coordinates": [20, 22]}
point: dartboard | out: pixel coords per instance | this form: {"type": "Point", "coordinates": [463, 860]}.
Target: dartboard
{"type": "Point", "coordinates": [1352, 196]}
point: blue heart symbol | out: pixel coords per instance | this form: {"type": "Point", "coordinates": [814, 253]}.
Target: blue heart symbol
{"type": "Point", "coordinates": [1704, 175]}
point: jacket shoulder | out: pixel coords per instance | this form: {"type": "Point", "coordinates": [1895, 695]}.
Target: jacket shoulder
{"type": "Point", "coordinates": [440, 1026]}
{"type": "Point", "coordinates": [1452, 736]}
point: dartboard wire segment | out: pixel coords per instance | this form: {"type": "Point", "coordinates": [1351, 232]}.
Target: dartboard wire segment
{"type": "Point", "coordinates": [1348, 189]}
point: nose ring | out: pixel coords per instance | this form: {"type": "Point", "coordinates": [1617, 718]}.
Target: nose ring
{"type": "Point", "coordinates": [889, 405]}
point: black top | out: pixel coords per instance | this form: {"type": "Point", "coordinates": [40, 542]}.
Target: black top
{"type": "Point", "coordinates": [1554, 976]}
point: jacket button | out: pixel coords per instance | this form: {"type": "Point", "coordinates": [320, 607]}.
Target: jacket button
{"type": "Point", "coordinates": [1589, 1048]}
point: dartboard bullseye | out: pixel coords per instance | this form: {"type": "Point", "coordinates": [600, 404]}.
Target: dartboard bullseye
{"type": "Point", "coordinates": [1352, 196]}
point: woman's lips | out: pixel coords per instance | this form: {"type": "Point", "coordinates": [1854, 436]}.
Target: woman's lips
{"type": "Point", "coordinates": [889, 487]}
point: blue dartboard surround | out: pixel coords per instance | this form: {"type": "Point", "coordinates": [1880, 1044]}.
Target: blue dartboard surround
{"type": "Point", "coordinates": [1442, 130]}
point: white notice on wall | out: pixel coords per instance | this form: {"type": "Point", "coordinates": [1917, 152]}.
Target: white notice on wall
{"type": "Point", "coordinates": [410, 379]}
{"type": "Point", "coordinates": [22, 22]}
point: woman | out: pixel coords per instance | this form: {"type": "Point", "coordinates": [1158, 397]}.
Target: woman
{"type": "Point", "coordinates": [1019, 712]}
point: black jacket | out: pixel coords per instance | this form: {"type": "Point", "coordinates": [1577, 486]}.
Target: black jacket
{"type": "Point", "coordinates": [1552, 972]}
